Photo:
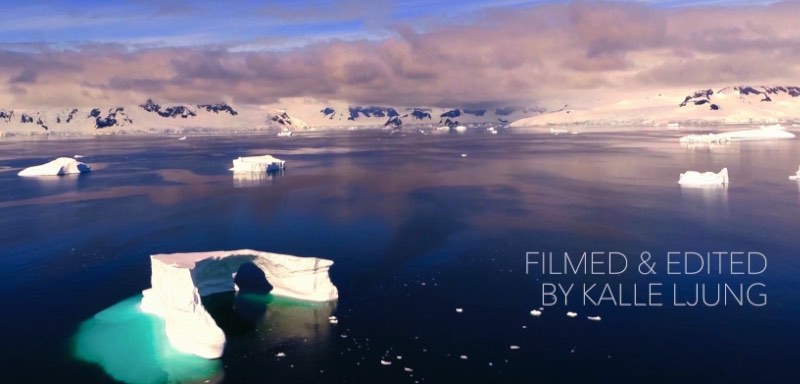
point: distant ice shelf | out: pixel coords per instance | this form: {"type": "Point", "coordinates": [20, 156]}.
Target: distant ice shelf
{"type": "Point", "coordinates": [763, 133]}
{"type": "Point", "coordinates": [179, 280]}
{"type": "Point", "coordinates": [58, 167]}
{"type": "Point", "coordinates": [266, 163]}
{"type": "Point", "coordinates": [704, 179]}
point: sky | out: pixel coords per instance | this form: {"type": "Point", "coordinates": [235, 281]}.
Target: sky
{"type": "Point", "coordinates": [407, 52]}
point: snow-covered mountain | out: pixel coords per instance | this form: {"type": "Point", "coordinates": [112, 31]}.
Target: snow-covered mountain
{"type": "Point", "coordinates": [398, 117]}
{"type": "Point", "coordinates": [288, 114]}
{"type": "Point", "coordinates": [741, 104]}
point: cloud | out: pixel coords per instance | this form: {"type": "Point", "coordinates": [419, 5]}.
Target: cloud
{"type": "Point", "coordinates": [539, 54]}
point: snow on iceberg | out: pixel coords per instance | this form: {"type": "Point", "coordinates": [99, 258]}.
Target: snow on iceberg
{"type": "Point", "coordinates": [179, 280]}
{"type": "Point", "coordinates": [266, 163]}
{"type": "Point", "coordinates": [763, 133]}
{"type": "Point", "coordinates": [705, 178]}
{"type": "Point", "coordinates": [57, 167]}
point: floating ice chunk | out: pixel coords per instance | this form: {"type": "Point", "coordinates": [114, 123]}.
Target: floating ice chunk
{"type": "Point", "coordinates": [593, 318]}
{"type": "Point", "coordinates": [182, 138]}
{"type": "Point", "coordinates": [571, 314]}
{"type": "Point", "coordinates": [179, 280]}
{"type": "Point", "coordinates": [285, 133]}
{"type": "Point", "coordinates": [536, 313]}
{"type": "Point", "coordinates": [266, 163]}
{"type": "Point", "coordinates": [765, 132]}
{"type": "Point", "coordinates": [558, 131]}
{"type": "Point", "coordinates": [333, 320]}
{"type": "Point", "coordinates": [77, 157]}
{"type": "Point", "coordinates": [796, 176]}
{"type": "Point", "coordinates": [280, 354]}
{"type": "Point", "coordinates": [460, 129]}
{"type": "Point", "coordinates": [463, 155]}
{"type": "Point", "coordinates": [705, 178]}
{"type": "Point", "coordinates": [463, 357]}
{"type": "Point", "coordinates": [58, 167]}
{"type": "Point", "coordinates": [385, 362]}
{"type": "Point", "coordinates": [407, 369]}
{"type": "Point", "coordinates": [514, 347]}
{"type": "Point", "coordinates": [459, 310]}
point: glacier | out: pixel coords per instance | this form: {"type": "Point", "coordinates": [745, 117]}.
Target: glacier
{"type": "Point", "coordinates": [179, 280]}
{"type": "Point", "coordinates": [266, 163]}
{"type": "Point", "coordinates": [58, 167]}
{"type": "Point", "coordinates": [704, 179]}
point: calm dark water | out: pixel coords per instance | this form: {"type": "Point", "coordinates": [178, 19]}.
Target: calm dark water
{"type": "Point", "coordinates": [415, 231]}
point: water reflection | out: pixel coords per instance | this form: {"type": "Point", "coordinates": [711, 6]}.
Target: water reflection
{"type": "Point", "coordinates": [254, 179]}
{"type": "Point", "coordinates": [710, 195]}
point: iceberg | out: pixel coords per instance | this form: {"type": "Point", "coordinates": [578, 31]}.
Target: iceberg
{"type": "Point", "coordinates": [58, 167]}
{"type": "Point", "coordinates": [763, 133]}
{"type": "Point", "coordinates": [285, 133]}
{"type": "Point", "coordinates": [266, 163]}
{"type": "Point", "coordinates": [179, 280]}
{"type": "Point", "coordinates": [460, 129]}
{"type": "Point", "coordinates": [796, 175]}
{"type": "Point", "coordinates": [705, 178]}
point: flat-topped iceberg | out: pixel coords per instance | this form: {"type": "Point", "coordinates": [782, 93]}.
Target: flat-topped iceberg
{"type": "Point", "coordinates": [705, 178]}
{"type": "Point", "coordinates": [58, 167]}
{"type": "Point", "coordinates": [179, 280]}
{"type": "Point", "coordinates": [763, 133]}
{"type": "Point", "coordinates": [796, 175]}
{"type": "Point", "coordinates": [266, 163]}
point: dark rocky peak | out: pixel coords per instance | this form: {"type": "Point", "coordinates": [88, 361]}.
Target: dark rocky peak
{"type": "Point", "coordinates": [450, 123]}
{"type": "Point", "coordinates": [280, 117]}
{"type": "Point", "coordinates": [453, 113]}
{"type": "Point", "coordinates": [475, 112]}
{"type": "Point", "coordinates": [504, 111]}
{"type": "Point", "coordinates": [173, 111]}
{"type": "Point", "coordinates": [697, 96]}
{"type": "Point", "coordinates": [24, 118]}
{"type": "Point", "coordinates": [328, 111]}
{"type": "Point", "coordinates": [217, 108]}
{"type": "Point", "coordinates": [393, 121]}
{"type": "Point", "coordinates": [6, 115]}
{"type": "Point", "coordinates": [115, 117]}
{"type": "Point", "coordinates": [421, 113]}
{"type": "Point", "coordinates": [94, 113]}
{"type": "Point", "coordinates": [371, 112]}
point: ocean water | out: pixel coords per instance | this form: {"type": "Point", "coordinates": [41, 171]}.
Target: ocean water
{"type": "Point", "coordinates": [416, 230]}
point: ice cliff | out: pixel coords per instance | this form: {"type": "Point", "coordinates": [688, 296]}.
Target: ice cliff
{"type": "Point", "coordinates": [179, 280]}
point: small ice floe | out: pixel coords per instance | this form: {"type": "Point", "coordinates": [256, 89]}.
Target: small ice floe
{"type": "Point", "coordinates": [514, 347]}
{"type": "Point", "coordinates": [333, 320]}
{"type": "Point", "coordinates": [399, 357]}
{"type": "Point", "coordinates": [385, 362]}
{"type": "Point", "coordinates": [765, 132]}
{"type": "Point", "coordinates": [463, 357]}
{"type": "Point", "coordinates": [536, 313]}
{"type": "Point", "coordinates": [796, 176]}
{"type": "Point", "coordinates": [407, 369]}
{"type": "Point", "coordinates": [280, 354]}
{"type": "Point", "coordinates": [459, 310]}
{"type": "Point", "coordinates": [264, 163]}
{"type": "Point", "coordinates": [463, 155]}
{"type": "Point", "coordinates": [594, 318]}
{"type": "Point", "coordinates": [77, 157]}
{"type": "Point", "coordinates": [572, 314]}
{"type": "Point", "coordinates": [491, 130]}
{"type": "Point", "coordinates": [182, 138]}
{"type": "Point", "coordinates": [285, 133]}
{"type": "Point", "coordinates": [58, 167]}
{"type": "Point", "coordinates": [460, 129]}
{"type": "Point", "coordinates": [705, 178]}
{"type": "Point", "coordinates": [343, 336]}
{"type": "Point", "coordinates": [558, 131]}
